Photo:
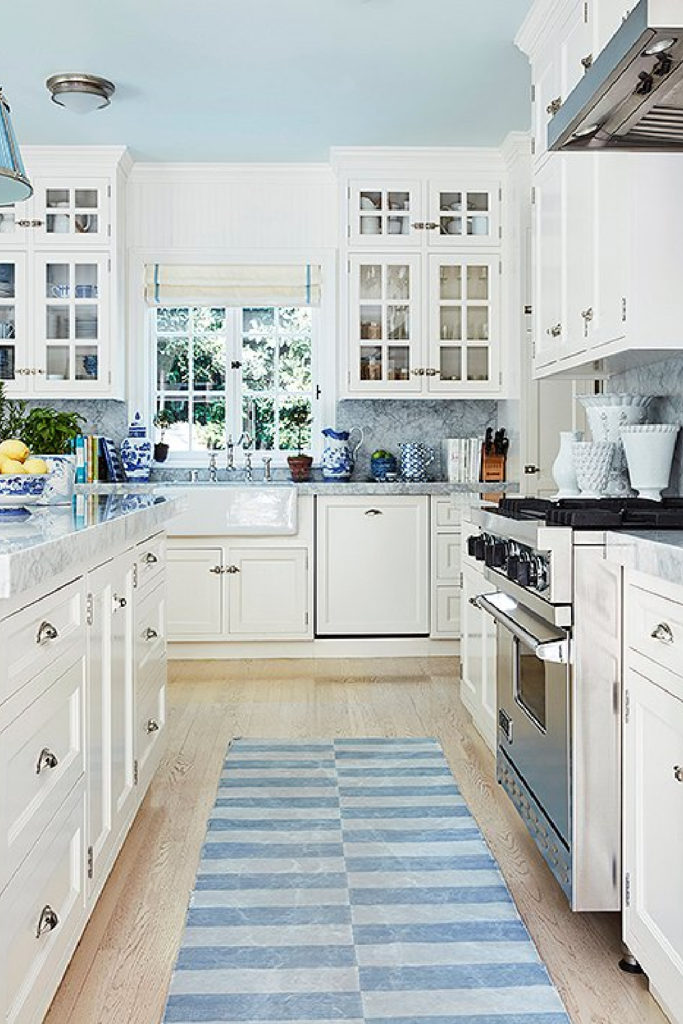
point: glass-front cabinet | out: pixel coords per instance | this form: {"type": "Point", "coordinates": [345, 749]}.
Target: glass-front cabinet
{"type": "Point", "coordinates": [385, 311]}
{"type": "Point", "coordinates": [60, 212]}
{"type": "Point", "coordinates": [464, 323]}
{"type": "Point", "coordinates": [463, 214]}
{"type": "Point", "coordinates": [71, 322]}
{"type": "Point", "coordinates": [14, 368]}
{"type": "Point", "coordinates": [385, 214]}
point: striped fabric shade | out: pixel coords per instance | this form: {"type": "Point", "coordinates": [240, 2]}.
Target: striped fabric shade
{"type": "Point", "coordinates": [14, 185]}
{"type": "Point", "coordinates": [232, 284]}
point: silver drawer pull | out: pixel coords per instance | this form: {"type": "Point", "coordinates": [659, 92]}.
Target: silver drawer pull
{"type": "Point", "coordinates": [374, 512]}
{"type": "Point", "coordinates": [150, 634]}
{"type": "Point", "coordinates": [46, 759]}
{"type": "Point", "coordinates": [678, 773]}
{"type": "Point", "coordinates": [663, 633]}
{"type": "Point", "coordinates": [152, 725]}
{"type": "Point", "coordinates": [120, 602]}
{"type": "Point", "coordinates": [232, 569]}
{"type": "Point", "coordinates": [150, 559]}
{"type": "Point", "coordinates": [46, 631]}
{"type": "Point", "coordinates": [47, 922]}
{"type": "Point", "coordinates": [218, 569]}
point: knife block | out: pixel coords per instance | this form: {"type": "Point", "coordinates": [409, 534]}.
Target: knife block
{"type": "Point", "coordinates": [492, 467]}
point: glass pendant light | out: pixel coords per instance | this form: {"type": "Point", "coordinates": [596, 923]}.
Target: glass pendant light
{"type": "Point", "coordinates": [14, 185]}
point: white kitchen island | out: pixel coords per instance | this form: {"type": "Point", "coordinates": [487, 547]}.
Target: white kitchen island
{"type": "Point", "coordinates": [82, 714]}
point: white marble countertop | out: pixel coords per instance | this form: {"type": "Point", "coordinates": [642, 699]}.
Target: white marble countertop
{"type": "Point", "coordinates": [55, 537]}
{"type": "Point", "coordinates": [314, 487]}
{"type": "Point", "coordinates": [656, 552]}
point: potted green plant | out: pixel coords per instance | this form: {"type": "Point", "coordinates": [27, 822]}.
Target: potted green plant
{"type": "Point", "coordinates": [50, 434]}
{"type": "Point", "coordinates": [164, 419]}
{"type": "Point", "coordinates": [300, 464]}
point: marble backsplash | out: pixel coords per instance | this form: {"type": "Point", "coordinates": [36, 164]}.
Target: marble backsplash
{"type": "Point", "coordinates": [104, 416]}
{"type": "Point", "coordinates": [664, 379]}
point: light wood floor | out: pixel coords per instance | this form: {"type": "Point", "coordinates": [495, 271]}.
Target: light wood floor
{"type": "Point", "coordinates": [121, 970]}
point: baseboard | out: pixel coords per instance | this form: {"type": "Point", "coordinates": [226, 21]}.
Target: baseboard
{"type": "Point", "coordinates": [357, 647]}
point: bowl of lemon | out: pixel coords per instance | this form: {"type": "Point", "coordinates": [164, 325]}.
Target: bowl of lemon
{"type": "Point", "coordinates": [22, 479]}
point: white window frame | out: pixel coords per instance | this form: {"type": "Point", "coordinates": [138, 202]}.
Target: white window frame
{"type": "Point", "coordinates": [141, 362]}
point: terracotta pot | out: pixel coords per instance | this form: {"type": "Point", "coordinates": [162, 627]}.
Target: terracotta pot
{"type": "Point", "coordinates": [300, 467]}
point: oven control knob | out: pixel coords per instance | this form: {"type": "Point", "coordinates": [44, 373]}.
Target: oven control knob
{"type": "Point", "coordinates": [496, 553]}
{"type": "Point", "coordinates": [472, 545]}
{"type": "Point", "coordinates": [479, 547]}
{"type": "Point", "coordinates": [523, 574]}
{"type": "Point", "coordinates": [512, 564]}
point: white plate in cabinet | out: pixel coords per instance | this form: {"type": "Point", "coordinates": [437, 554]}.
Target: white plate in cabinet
{"type": "Point", "coordinates": [150, 557]}
{"type": "Point", "coordinates": [655, 627]}
{"type": "Point", "coordinates": [653, 835]}
{"type": "Point", "coordinates": [150, 635]}
{"type": "Point", "coordinates": [268, 594]}
{"type": "Point", "coordinates": [41, 758]}
{"type": "Point", "coordinates": [150, 712]}
{"type": "Point", "coordinates": [372, 566]}
{"type": "Point", "coordinates": [463, 214]}
{"type": "Point", "coordinates": [43, 913]}
{"type": "Point", "coordinates": [195, 592]}
{"type": "Point", "coordinates": [38, 634]}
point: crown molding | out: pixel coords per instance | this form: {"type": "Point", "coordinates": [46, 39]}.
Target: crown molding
{"type": "Point", "coordinates": [542, 21]}
{"type": "Point", "coordinates": [516, 146]}
{"type": "Point", "coordinates": [56, 157]}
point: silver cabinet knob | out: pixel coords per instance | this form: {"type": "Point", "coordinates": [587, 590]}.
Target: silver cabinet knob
{"type": "Point", "coordinates": [587, 314]}
{"type": "Point", "coordinates": [431, 225]}
{"type": "Point", "coordinates": [152, 725]}
{"type": "Point", "coordinates": [149, 558]}
{"type": "Point", "coordinates": [232, 569]}
{"type": "Point", "coordinates": [431, 371]}
{"type": "Point", "coordinates": [46, 759]}
{"type": "Point", "coordinates": [46, 631]}
{"type": "Point", "coordinates": [663, 633]}
{"type": "Point", "coordinates": [119, 602]}
{"type": "Point", "coordinates": [678, 773]}
{"type": "Point", "coordinates": [554, 106]}
{"type": "Point", "coordinates": [419, 225]}
{"type": "Point", "coordinates": [418, 371]}
{"type": "Point", "coordinates": [217, 569]}
{"type": "Point", "coordinates": [555, 331]}
{"type": "Point", "coordinates": [587, 61]}
{"type": "Point", "coordinates": [150, 634]}
{"type": "Point", "coordinates": [47, 921]}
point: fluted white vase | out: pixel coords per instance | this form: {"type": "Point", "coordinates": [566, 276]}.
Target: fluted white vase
{"type": "Point", "coordinates": [649, 453]}
{"type": "Point", "coordinates": [564, 473]}
{"type": "Point", "coordinates": [606, 415]}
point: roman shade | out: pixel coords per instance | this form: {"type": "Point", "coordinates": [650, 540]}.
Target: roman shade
{"type": "Point", "coordinates": [232, 285]}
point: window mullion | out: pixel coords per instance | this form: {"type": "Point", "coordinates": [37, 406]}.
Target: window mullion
{"type": "Point", "coordinates": [233, 351]}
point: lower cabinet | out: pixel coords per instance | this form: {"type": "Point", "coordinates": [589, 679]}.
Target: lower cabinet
{"type": "Point", "coordinates": [372, 566]}
{"type": "Point", "coordinates": [446, 574]}
{"type": "Point", "coordinates": [196, 591]}
{"type": "Point", "coordinates": [478, 657]}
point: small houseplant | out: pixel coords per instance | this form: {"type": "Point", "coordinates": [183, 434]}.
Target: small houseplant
{"type": "Point", "coordinates": [162, 421]}
{"type": "Point", "coordinates": [300, 464]}
{"type": "Point", "coordinates": [51, 432]}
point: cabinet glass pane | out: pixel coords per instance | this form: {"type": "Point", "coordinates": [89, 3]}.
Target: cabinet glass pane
{"type": "Point", "coordinates": [371, 282]}
{"type": "Point", "coordinates": [450, 226]}
{"type": "Point", "coordinates": [371, 200]}
{"type": "Point", "coordinates": [7, 223]}
{"type": "Point", "coordinates": [258, 417]}
{"type": "Point", "coordinates": [450, 326]}
{"type": "Point", "coordinates": [7, 322]}
{"type": "Point", "coordinates": [478, 225]}
{"type": "Point", "coordinates": [371, 225]}
{"type": "Point", "coordinates": [398, 362]}
{"type": "Point", "coordinates": [398, 200]}
{"type": "Point", "coordinates": [477, 282]}
{"type": "Point", "coordinates": [58, 223]}
{"type": "Point", "coordinates": [86, 223]}
{"type": "Point", "coordinates": [450, 282]}
{"type": "Point", "coordinates": [7, 280]}
{"type": "Point", "coordinates": [371, 323]}
{"type": "Point", "coordinates": [57, 322]}
{"type": "Point", "coordinates": [477, 363]}
{"type": "Point", "coordinates": [173, 364]}
{"type": "Point", "coordinates": [56, 197]}
{"type": "Point", "coordinates": [450, 201]}
{"type": "Point", "coordinates": [398, 282]}
{"type": "Point", "coordinates": [208, 422]}
{"type": "Point", "coordinates": [58, 362]}
{"type": "Point", "coordinates": [450, 363]}
{"type": "Point", "coordinates": [370, 362]}
{"type": "Point", "coordinates": [57, 281]}
{"type": "Point", "coordinates": [85, 198]}
{"type": "Point", "coordinates": [398, 323]}
{"type": "Point", "coordinates": [86, 362]}
{"type": "Point", "coordinates": [85, 285]}
{"type": "Point", "coordinates": [6, 362]}
{"type": "Point", "coordinates": [258, 363]}
{"type": "Point", "coordinates": [398, 225]}
{"type": "Point", "coordinates": [477, 201]}
{"type": "Point", "coordinates": [86, 321]}
{"type": "Point", "coordinates": [179, 431]}
{"type": "Point", "coordinates": [477, 323]}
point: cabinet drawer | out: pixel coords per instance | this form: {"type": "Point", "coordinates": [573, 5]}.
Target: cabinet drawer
{"type": "Point", "coordinates": [447, 608]}
{"type": "Point", "coordinates": [150, 711]}
{"type": "Point", "coordinates": [38, 634]}
{"type": "Point", "coordinates": [150, 635]}
{"type": "Point", "coordinates": [447, 556]}
{"type": "Point", "coordinates": [50, 882]}
{"type": "Point", "coordinates": [41, 759]}
{"type": "Point", "coordinates": [150, 559]}
{"type": "Point", "coordinates": [446, 513]}
{"type": "Point", "coordinates": [655, 627]}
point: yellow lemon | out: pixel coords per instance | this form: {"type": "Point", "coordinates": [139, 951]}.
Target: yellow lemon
{"type": "Point", "coordinates": [35, 466]}
{"type": "Point", "coordinates": [14, 449]}
{"type": "Point", "coordinates": [11, 467]}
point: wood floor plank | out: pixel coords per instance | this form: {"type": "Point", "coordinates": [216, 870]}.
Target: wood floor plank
{"type": "Point", "coordinates": [121, 969]}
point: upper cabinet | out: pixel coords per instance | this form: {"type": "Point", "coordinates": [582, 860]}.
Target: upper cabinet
{"type": "Point", "coordinates": [61, 276]}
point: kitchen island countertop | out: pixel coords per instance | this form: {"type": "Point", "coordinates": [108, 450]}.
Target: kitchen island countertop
{"type": "Point", "coordinates": [436, 487]}
{"type": "Point", "coordinates": [655, 552]}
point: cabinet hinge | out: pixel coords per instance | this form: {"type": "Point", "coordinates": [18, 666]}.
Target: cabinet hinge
{"type": "Point", "coordinates": [500, 193]}
{"type": "Point", "coordinates": [135, 575]}
{"type": "Point", "coordinates": [109, 377]}
{"type": "Point", "coordinates": [533, 195]}
{"type": "Point", "coordinates": [500, 266]}
{"type": "Point", "coordinates": [348, 377]}
{"type": "Point", "coordinates": [627, 706]}
{"type": "Point", "coordinates": [89, 610]}
{"type": "Point", "coordinates": [500, 378]}
{"type": "Point", "coordinates": [136, 772]}
{"type": "Point", "coordinates": [461, 580]}
{"type": "Point", "coordinates": [348, 191]}
{"type": "Point", "coordinates": [585, 12]}
{"type": "Point", "coordinates": [348, 266]}
{"type": "Point", "coordinates": [91, 861]}
{"type": "Point", "coordinates": [500, 231]}
{"type": "Point", "coordinates": [306, 618]}
{"type": "Point", "coordinates": [348, 230]}
{"type": "Point", "coordinates": [108, 191]}
{"type": "Point", "coordinates": [108, 230]}
{"type": "Point", "coordinates": [306, 561]}
{"type": "Point", "coordinates": [627, 889]}
{"type": "Point", "coordinates": [108, 265]}
{"type": "Point", "coordinates": [533, 147]}
{"type": "Point", "coordinates": [533, 93]}
{"type": "Point", "coordinates": [623, 311]}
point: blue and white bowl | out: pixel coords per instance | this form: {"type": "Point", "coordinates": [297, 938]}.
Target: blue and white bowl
{"type": "Point", "coordinates": [17, 491]}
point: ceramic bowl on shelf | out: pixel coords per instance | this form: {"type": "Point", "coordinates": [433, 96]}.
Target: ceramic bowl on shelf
{"type": "Point", "coordinates": [592, 461]}
{"type": "Point", "coordinates": [19, 490]}
{"type": "Point", "coordinates": [649, 453]}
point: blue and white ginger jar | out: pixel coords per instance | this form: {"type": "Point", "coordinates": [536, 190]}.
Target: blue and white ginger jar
{"type": "Point", "coordinates": [136, 452]}
{"type": "Point", "coordinates": [338, 454]}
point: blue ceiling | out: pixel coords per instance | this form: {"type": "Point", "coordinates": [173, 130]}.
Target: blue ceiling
{"type": "Point", "coordinates": [269, 80]}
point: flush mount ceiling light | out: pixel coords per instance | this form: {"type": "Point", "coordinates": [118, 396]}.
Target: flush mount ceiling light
{"type": "Point", "coordinates": [80, 93]}
{"type": "Point", "coordinates": [14, 185]}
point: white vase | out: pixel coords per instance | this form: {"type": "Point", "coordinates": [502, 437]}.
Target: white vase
{"type": "Point", "coordinates": [592, 460]}
{"type": "Point", "coordinates": [564, 473]}
{"type": "Point", "coordinates": [606, 415]}
{"type": "Point", "coordinates": [649, 452]}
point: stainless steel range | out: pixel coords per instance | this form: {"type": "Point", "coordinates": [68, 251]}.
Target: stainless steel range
{"type": "Point", "coordinates": [556, 601]}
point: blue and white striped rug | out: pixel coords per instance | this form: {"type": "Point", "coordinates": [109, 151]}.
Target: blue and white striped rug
{"type": "Point", "coordinates": [346, 881]}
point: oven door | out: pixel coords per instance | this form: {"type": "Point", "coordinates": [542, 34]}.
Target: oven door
{"type": "Point", "coordinates": [534, 694]}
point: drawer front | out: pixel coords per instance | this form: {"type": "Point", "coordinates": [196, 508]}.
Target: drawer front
{"type": "Point", "coordinates": [41, 759]}
{"type": "Point", "coordinates": [447, 606]}
{"type": "Point", "coordinates": [38, 634]}
{"type": "Point", "coordinates": [150, 560]}
{"type": "Point", "coordinates": [655, 628]}
{"type": "Point", "coordinates": [447, 514]}
{"type": "Point", "coordinates": [150, 635]}
{"type": "Point", "coordinates": [43, 912]}
{"type": "Point", "coordinates": [448, 556]}
{"type": "Point", "coordinates": [150, 712]}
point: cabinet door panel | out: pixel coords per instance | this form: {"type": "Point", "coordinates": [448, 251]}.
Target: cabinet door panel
{"type": "Point", "coordinates": [120, 613]}
{"type": "Point", "coordinates": [372, 567]}
{"type": "Point", "coordinates": [478, 656]}
{"type": "Point", "coordinates": [579, 216]}
{"type": "Point", "coordinates": [268, 597]}
{"type": "Point", "coordinates": [611, 240]}
{"type": "Point", "coordinates": [576, 47]}
{"type": "Point", "coordinates": [71, 211]}
{"type": "Point", "coordinates": [548, 259]}
{"type": "Point", "coordinates": [15, 369]}
{"type": "Point", "coordinates": [463, 213]}
{"type": "Point", "coordinates": [195, 602]}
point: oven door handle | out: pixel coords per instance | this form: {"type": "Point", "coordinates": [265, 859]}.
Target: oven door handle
{"type": "Point", "coordinates": [557, 651]}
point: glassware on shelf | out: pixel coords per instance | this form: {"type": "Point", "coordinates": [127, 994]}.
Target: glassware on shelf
{"type": "Point", "coordinates": [450, 363]}
{"type": "Point", "coordinates": [450, 282]}
{"type": "Point", "coordinates": [398, 323]}
{"type": "Point", "coordinates": [477, 323]}
{"type": "Point", "coordinates": [57, 322]}
{"type": "Point", "coordinates": [398, 362]}
{"type": "Point", "coordinates": [370, 363]}
{"type": "Point", "coordinates": [370, 281]}
{"type": "Point", "coordinates": [450, 323]}
{"type": "Point", "coordinates": [398, 281]}
{"type": "Point", "coordinates": [477, 282]}
{"type": "Point", "coordinates": [58, 362]}
{"type": "Point", "coordinates": [478, 363]}
{"type": "Point", "coordinates": [371, 323]}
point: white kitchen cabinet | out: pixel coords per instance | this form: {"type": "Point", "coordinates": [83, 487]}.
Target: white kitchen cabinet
{"type": "Point", "coordinates": [385, 212]}
{"type": "Point", "coordinates": [463, 213]}
{"type": "Point", "coordinates": [150, 721]}
{"type": "Point", "coordinates": [446, 572]}
{"type": "Point", "coordinates": [14, 333]}
{"type": "Point", "coordinates": [372, 566]}
{"type": "Point", "coordinates": [195, 590]}
{"type": "Point", "coordinates": [548, 263]}
{"type": "Point", "coordinates": [268, 595]}
{"type": "Point", "coordinates": [478, 655]}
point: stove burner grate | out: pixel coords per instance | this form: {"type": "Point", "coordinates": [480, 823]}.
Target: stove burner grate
{"type": "Point", "coordinates": [598, 513]}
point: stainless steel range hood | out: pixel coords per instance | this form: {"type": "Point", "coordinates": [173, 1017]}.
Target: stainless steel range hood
{"type": "Point", "coordinates": [631, 97]}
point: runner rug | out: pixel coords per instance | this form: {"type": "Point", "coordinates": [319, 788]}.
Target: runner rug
{"type": "Point", "coordinates": [346, 881]}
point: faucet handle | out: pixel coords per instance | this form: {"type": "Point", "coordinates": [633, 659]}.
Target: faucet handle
{"type": "Point", "coordinates": [267, 460]}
